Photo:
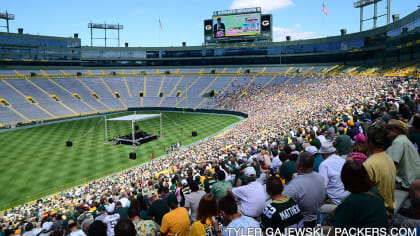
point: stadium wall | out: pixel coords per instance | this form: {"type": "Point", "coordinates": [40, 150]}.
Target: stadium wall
{"type": "Point", "coordinates": [173, 109]}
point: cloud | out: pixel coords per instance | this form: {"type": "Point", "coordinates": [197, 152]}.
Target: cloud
{"type": "Point", "coordinates": [279, 34]}
{"type": "Point", "coordinates": [266, 5]}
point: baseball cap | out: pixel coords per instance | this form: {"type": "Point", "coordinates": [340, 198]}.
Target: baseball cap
{"type": "Point", "coordinates": [311, 149]}
{"type": "Point", "coordinates": [72, 223]}
{"type": "Point", "coordinates": [249, 171]}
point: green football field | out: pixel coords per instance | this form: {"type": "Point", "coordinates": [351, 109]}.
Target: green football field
{"type": "Point", "coordinates": [35, 162]}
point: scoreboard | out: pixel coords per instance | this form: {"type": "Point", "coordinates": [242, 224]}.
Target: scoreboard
{"type": "Point", "coordinates": [241, 24]}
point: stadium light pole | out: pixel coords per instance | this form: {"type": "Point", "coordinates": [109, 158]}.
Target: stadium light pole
{"type": "Point", "coordinates": [105, 27]}
{"type": "Point", "coordinates": [7, 16]}
{"type": "Point", "coordinates": [363, 3]}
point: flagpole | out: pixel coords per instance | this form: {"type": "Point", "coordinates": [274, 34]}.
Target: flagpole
{"type": "Point", "coordinates": [322, 18]}
{"type": "Point", "coordinates": [160, 29]}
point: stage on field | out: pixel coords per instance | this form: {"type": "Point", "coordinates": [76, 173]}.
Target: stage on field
{"type": "Point", "coordinates": [135, 137]}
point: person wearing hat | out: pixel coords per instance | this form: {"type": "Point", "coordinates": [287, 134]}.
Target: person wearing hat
{"type": "Point", "coordinates": [380, 166]}
{"type": "Point", "coordinates": [251, 197]}
{"type": "Point", "coordinates": [317, 157]}
{"type": "Point", "coordinates": [209, 181]}
{"type": "Point", "coordinates": [74, 231]}
{"type": "Point", "coordinates": [330, 169]}
{"type": "Point", "coordinates": [342, 143]}
{"type": "Point", "coordinates": [403, 153]}
{"type": "Point", "coordinates": [101, 211]}
{"type": "Point", "coordinates": [177, 221]}
{"type": "Point", "coordinates": [158, 208]}
{"type": "Point", "coordinates": [353, 130]}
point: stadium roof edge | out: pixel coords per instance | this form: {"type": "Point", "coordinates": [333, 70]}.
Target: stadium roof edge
{"type": "Point", "coordinates": [385, 28]}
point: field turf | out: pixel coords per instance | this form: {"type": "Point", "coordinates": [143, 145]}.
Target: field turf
{"type": "Point", "coordinates": [35, 162]}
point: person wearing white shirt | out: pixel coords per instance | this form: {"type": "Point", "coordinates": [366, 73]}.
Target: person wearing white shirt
{"type": "Point", "coordinates": [251, 197]}
{"type": "Point", "coordinates": [330, 169]}
{"type": "Point", "coordinates": [276, 162]}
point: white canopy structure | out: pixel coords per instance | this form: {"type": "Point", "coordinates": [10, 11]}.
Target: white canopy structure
{"type": "Point", "coordinates": [133, 118]}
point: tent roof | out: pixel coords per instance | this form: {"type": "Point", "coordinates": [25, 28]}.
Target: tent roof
{"type": "Point", "coordinates": [136, 117]}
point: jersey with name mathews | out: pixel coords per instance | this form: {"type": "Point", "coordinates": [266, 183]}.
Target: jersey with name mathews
{"type": "Point", "coordinates": [281, 214]}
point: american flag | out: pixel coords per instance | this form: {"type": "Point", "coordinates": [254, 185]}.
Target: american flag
{"type": "Point", "coordinates": [160, 24]}
{"type": "Point", "coordinates": [324, 8]}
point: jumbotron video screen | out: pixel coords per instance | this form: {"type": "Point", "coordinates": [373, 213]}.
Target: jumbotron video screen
{"type": "Point", "coordinates": [237, 25]}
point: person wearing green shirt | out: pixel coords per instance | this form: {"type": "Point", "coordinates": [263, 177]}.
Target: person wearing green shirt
{"type": "Point", "coordinates": [342, 143]}
{"type": "Point", "coordinates": [209, 181]}
{"type": "Point", "coordinates": [364, 207]}
{"type": "Point", "coordinates": [220, 188]}
{"type": "Point", "coordinates": [158, 208]}
{"type": "Point", "coordinates": [283, 212]}
{"type": "Point", "coordinates": [288, 168]}
{"type": "Point", "coordinates": [240, 178]}
{"type": "Point", "coordinates": [403, 153]}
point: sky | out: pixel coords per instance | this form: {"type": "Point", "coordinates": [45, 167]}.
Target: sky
{"type": "Point", "coordinates": [182, 20]}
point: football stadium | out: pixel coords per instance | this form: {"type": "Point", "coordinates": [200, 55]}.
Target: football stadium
{"type": "Point", "coordinates": [244, 133]}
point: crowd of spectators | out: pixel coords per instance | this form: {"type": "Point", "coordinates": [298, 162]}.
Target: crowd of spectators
{"type": "Point", "coordinates": [325, 151]}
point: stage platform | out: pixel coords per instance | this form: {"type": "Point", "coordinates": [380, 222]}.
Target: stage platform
{"type": "Point", "coordinates": [139, 139]}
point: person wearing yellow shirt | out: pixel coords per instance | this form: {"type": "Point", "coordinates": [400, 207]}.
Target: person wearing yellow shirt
{"type": "Point", "coordinates": [206, 225]}
{"type": "Point", "coordinates": [380, 166]}
{"type": "Point", "coordinates": [177, 221]}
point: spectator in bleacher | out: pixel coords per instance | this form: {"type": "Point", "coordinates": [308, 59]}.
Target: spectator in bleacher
{"type": "Point", "coordinates": [177, 221]}
{"type": "Point", "coordinates": [192, 200]}
{"type": "Point", "coordinates": [206, 224]}
{"type": "Point", "coordinates": [330, 169]}
{"type": "Point", "coordinates": [380, 167]}
{"type": "Point", "coordinates": [415, 132]}
{"type": "Point", "coordinates": [342, 143]}
{"type": "Point", "coordinates": [110, 221]}
{"type": "Point", "coordinates": [124, 227]}
{"type": "Point", "coordinates": [235, 224]}
{"type": "Point", "coordinates": [121, 209]}
{"type": "Point", "coordinates": [412, 218]}
{"type": "Point", "coordinates": [283, 212]}
{"type": "Point", "coordinates": [74, 231]}
{"type": "Point", "coordinates": [317, 157]}
{"type": "Point", "coordinates": [220, 188]}
{"type": "Point", "coordinates": [97, 228]}
{"type": "Point", "coordinates": [86, 214]}
{"type": "Point", "coordinates": [358, 149]}
{"type": "Point", "coordinates": [209, 181]}
{"type": "Point", "coordinates": [364, 207]}
{"type": "Point", "coordinates": [288, 168]}
{"type": "Point", "coordinates": [307, 189]}
{"type": "Point", "coordinates": [143, 227]}
{"type": "Point", "coordinates": [251, 197]}
{"type": "Point", "coordinates": [158, 208]}
{"type": "Point", "coordinates": [403, 153]}
{"type": "Point", "coordinates": [276, 162]}
{"type": "Point", "coordinates": [353, 129]}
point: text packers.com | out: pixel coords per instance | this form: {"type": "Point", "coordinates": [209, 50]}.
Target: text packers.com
{"type": "Point", "coordinates": [324, 231]}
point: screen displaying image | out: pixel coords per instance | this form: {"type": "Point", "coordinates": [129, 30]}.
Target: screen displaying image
{"type": "Point", "coordinates": [237, 25]}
